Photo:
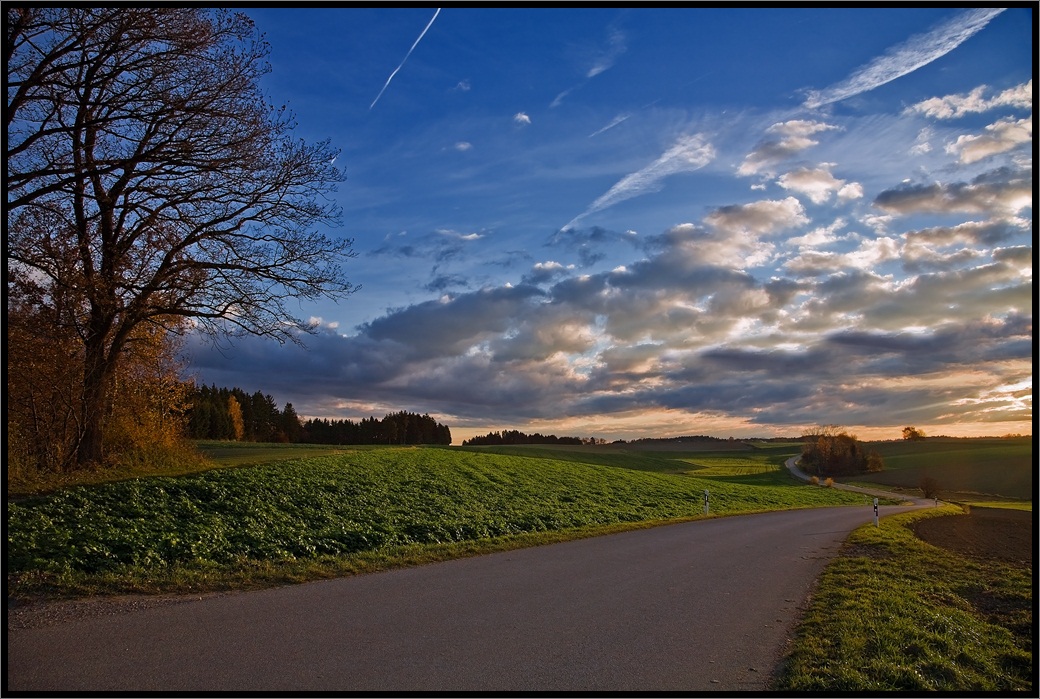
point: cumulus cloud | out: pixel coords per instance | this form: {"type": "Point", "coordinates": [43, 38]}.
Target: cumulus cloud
{"type": "Point", "coordinates": [463, 146]}
{"type": "Point", "coordinates": [760, 218]}
{"type": "Point", "coordinates": [687, 154]}
{"type": "Point", "coordinates": [956, 106]}
{"type": "Point", "coordinates": [521, 119]}
{"type": "Point", "coordinates": [871, 253]}
{"type": "Point", "coordinates": [915, 52]}
{"type": "Point", "coordinates": [544, 272]}
{"type": "Point", "coordinates": [447, 328]}
{"type": "Point", "coordinates": [686, 328]}
{"type": "Point", "coordinates": [850, 191]}
{"type": "Point", "coordinates": [785, 140]}
{"type": "Point", "coordinates": [973, 233]}
{"type": "Point", "coordinates": [1001, 192]}
{"type": "Point", "coordinates": [1000, 137]}
{"type": "Point", "coordinates": [816, 183]}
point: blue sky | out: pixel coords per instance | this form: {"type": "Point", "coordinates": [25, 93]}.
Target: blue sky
{"type": "Point", "coordinates": [631, 222]}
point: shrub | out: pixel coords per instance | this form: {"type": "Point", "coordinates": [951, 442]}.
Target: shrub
{"type": "Point", "coordinates": [929, 487]}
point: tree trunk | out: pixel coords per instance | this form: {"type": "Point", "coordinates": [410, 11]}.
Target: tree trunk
{"type": "Point", "coordinates": [98, 371]}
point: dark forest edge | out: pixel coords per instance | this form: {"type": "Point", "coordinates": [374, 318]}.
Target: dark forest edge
{"type": "Point", "coordinates": [233, 414]}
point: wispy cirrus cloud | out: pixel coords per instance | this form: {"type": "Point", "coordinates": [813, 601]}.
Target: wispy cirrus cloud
{"type": "Point", "coordinates": [615, 47]}
{"type": "Point", "coordinates": [603, 60]}
{"type": "Point", "coordinates": [915, 52]}
{"type": "Point", "coordinates": [688, 153]}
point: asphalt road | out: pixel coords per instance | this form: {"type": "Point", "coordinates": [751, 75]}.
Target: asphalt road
{"type": "Point", "coordinates": [698, 606]}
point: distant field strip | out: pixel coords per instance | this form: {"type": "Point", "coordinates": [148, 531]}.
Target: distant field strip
{"type": "Point", "coordinates": [363, 501]}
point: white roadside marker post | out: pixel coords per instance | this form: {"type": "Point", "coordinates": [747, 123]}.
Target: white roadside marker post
{"type": "Point", "coordinates": [875, 513]}
{"type": "Point", "coordinates": [705, 502]}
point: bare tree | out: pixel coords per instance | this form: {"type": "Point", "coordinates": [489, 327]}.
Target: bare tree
{"type": "Point", "coordinates": [149, 178]}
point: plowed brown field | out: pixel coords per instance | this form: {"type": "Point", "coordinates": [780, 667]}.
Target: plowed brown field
{"type": "Point", "coordinates": [987, 533]}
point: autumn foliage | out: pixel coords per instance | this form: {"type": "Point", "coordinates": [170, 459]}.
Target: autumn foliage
{"type": "Point", "coordinates": [831, 451]}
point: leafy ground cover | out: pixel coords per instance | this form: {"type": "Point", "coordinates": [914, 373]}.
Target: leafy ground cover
{"type": "Point", "coordinates": [896, 613]}
{"type": "Point", "coordinates": [310, 516]}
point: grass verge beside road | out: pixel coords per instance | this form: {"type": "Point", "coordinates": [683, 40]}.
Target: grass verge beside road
{"type": "Point", "coordinates": [894, 613]}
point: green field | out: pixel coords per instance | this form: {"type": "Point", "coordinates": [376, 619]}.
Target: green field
{"type": "Point", "coordinates": [256, 515]}
{"type": "Point", "coordinates": [964, 468]}
{"type": "Point", "coordinates": [317, 511]}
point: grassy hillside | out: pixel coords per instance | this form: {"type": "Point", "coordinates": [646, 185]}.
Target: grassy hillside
{"type": "Point", "coordinates": [325, 515]}
{"type": "Point", "coordinates": [964, 468]}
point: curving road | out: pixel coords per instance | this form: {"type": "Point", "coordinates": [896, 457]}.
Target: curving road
{"type": "Point", "coordinates": [697, 606]}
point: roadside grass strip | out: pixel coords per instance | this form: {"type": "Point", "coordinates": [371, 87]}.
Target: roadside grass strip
{"type": "Point", "coordinates": [894, 613]}
{"type": "Point", "coordinates": [324, 516]}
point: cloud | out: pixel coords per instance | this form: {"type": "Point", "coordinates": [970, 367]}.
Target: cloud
{"type": "Point", "coordinates": [1000, 192]}
{"type": "Point", "coordinates": [869, 255]}
{"type": "Point", "coordinates": [976, 233]}
{"type": "Point", "coordinates": [760, 218]}
{"type": "Point", "coordinates": [405, 59]}
{"type": "Point", "coordinates": [791, 137]}
{"type": "Point", "coordinates": [544, 272]}
{"type": "Point", "coordinates": [816, 183]}
{"type": "Point", "coordinates": [448, 328]}
{"type": "Point", "coordinates": [687, 154]}
{"type": "Point", "coordinates": [1000, 137]}
{"type": "Point", "coordinates": [521, 119]}
{"type": "Point", "coordinates": [852, 190]}
{"type": "Point", "coordinates": [447, 232]}
{"type": "Point", "coordinates": [441, 283]}
{"type": "Point", "coordinates": [438, 246]}
{"type": "Point", "coordinates": [589, 244]}
{"type": "Point", "coordinates": [605, 60]}
{"type": "Point", "coordinates": [602, 60]}
{"type": "Point", "coordinates": [687, 329]}
{"type": "Point", "coordinates": [463, 146]}
{"type": "Point", "coordinates": [956, 106]}
{"type": "Point", "coordinates": [915, 52]}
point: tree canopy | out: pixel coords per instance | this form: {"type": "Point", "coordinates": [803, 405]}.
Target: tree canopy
{"type": "Point", "coordinates": [831, 451]}
{"type": "Point", "coordinates": [150, 182]}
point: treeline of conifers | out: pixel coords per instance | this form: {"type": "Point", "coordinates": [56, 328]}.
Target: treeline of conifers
{"type": "Point", "coordinates": [517, 437]}
{"type": "Point", "coordinates": [234, 414]}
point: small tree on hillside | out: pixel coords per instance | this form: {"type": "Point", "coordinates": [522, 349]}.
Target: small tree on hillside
{"type": "Point", "coordinates": [929, 487]}
{"type": "Point", "coordinates": [912, 433]}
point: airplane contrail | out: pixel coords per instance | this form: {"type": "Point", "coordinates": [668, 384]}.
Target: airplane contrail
{"type": "Point", "coordinates": [405, 58]}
